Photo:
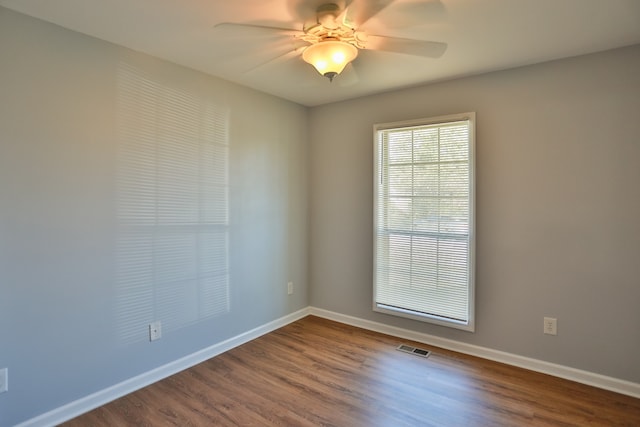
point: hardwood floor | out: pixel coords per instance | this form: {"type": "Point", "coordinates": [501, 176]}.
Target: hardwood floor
{"type": "Point", "coordinates": [316, 372]}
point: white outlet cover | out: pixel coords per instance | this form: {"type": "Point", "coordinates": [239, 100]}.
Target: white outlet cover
{"type": "Point", "coordinates": [4, 380]}
{"type": "Point", "coordinates": [155, 331]}
{"type": "Point", "coordinates": [551, 326]}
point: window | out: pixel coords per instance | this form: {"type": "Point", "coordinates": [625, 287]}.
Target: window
{"type": "Point", "coordinates": [424, 220]}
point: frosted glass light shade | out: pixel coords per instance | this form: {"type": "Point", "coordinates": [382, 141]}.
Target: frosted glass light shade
{"type": "Point", "coordinates": [330, 57]}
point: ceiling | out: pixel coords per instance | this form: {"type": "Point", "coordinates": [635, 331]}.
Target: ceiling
{"type": "Point", "coordinates": [482, 35]}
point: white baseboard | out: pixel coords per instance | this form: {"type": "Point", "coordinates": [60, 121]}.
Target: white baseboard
{"type": "Point", "coordinates": [92, 401]}
{"type": "Point", "coordinates": [601, 381]}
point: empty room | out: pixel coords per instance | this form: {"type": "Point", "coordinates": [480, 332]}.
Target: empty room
{"type": "Point", "coordinates": [307, 212]}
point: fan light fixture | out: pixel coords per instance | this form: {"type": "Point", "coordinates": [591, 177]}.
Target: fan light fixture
{"type": "Point", "coordinates": [330, 57]}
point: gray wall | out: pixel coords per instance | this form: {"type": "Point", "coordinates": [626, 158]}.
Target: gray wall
{"type": "Point", "coordinates": [558, 164]}
{"type": "Point", "coordinates": [62, 299]}
{"type": "Point", "coordinates": [558, 207]}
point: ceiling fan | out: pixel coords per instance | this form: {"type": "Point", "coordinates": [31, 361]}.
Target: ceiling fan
{"type": "Point", "coordinates": [333, 36]}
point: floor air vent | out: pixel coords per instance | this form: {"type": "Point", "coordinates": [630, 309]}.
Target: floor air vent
{"type": "Point", "coordinates": [413, 350]}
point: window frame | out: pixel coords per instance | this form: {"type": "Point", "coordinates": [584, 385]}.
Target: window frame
{"type": "Point", "coordinates": [468, 325]}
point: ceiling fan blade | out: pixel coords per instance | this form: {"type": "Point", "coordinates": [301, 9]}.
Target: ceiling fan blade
{"type": "Point", "coordinates": [413, 47]}
{"type": "Point", "coordinates": [296, 51]}
{"type": "Point", "coordinates": [360, 11]}
{"type": "Point", "coordinates": [251, 30]}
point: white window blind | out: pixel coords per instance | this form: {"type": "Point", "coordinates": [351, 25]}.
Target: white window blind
{"type": "Point", "coordinates": [423, 237]}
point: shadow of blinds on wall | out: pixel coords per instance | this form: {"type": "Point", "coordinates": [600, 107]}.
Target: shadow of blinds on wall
{"type": "Point", "coordinates": [173, 203]}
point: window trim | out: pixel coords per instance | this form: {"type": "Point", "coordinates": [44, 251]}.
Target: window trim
{"type": "Point", "coordinates": [469, 325]}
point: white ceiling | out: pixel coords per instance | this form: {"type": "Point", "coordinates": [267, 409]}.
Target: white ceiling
{"type": "Point", "coordinates": [482, 35]}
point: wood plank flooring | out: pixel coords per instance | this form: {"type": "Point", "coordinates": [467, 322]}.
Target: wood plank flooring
{"type": "Point", "coordinates": [316, 372]}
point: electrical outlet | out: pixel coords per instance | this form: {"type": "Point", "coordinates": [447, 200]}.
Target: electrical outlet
{"type": "Point", "coordinates": [155, 331]}
{"type": "Point", "coordinates": [289, 288]}
{"type": "Point", "coordinates": [4, 380]}
{"type": "Point", "coordinates": [551, 326]}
